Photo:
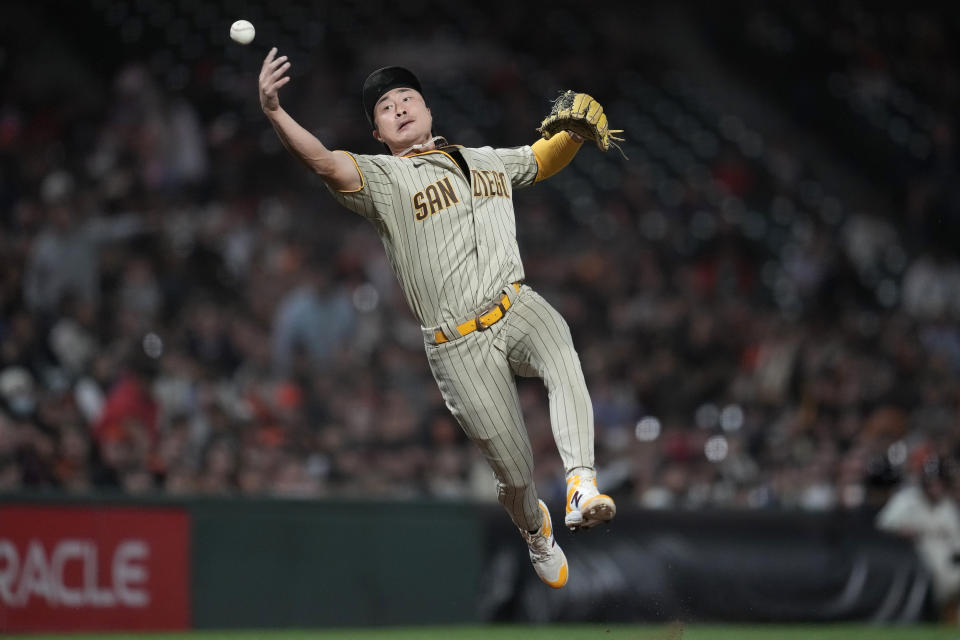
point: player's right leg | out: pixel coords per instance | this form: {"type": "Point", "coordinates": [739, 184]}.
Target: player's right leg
{"type": "Point", "coordinates": [546, 555]}
{"type": "Point", "coordinates": [480, 391]}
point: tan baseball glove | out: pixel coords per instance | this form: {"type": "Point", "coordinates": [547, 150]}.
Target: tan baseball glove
{"type": "Point", "coordinates": [581, 114]}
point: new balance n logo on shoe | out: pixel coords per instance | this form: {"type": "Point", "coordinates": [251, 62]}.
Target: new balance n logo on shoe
{"type": "Point", "coordinates": [587, 507]}
{"type": "Point", "coordinates": [575, 500]}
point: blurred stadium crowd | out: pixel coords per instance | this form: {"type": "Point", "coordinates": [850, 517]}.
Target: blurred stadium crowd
{"type": "Point", "coordinates": [184, 310]}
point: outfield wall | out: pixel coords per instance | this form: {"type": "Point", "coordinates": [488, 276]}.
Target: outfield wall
{"type": "Point", "coordinates": [110, 564]}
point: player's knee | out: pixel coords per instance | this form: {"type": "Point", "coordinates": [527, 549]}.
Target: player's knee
{"type": "Point", "coordinates": [573, 390]}
{"type": "Point", "coordinates": [509, 484]}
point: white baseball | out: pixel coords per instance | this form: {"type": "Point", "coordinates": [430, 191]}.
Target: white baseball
{"type": "Point", "coordinates": [242, 31]}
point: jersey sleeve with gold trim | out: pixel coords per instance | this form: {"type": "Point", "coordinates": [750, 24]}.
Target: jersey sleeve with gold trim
{"type": "Point", "coordinates": [521, 165]}
{"type": "Point", "coordinates": [373, 197]}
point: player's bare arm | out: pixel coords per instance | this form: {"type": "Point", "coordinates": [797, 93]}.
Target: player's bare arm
{"type": "Point", "coordinates": [336, 169]}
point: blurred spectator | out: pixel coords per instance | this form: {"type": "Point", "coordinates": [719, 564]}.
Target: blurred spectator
{"type": "Point", "coordinates": [931, 288]}
{"type": "Point", "coordinates": [17, 391]}
{"type": "Point", "coordinates": [311, 321]}
{"type": "Point", "coordinates": [64, 260]}
{"type": "Point", "coordinates": [126, 432]}
{"type": "Point", "coordinates": [73, 464]}
{"type": "Point", "coordinates": [72, 339]}
{"type": "Point", "coordinates": [927, 513]}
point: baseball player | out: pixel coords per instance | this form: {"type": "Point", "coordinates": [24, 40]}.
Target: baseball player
{"type": "Point", "coordinates": [445, 216]}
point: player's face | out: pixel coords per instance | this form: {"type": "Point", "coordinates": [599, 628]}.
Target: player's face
{"type": "Point", "coordinates": [402, 119]}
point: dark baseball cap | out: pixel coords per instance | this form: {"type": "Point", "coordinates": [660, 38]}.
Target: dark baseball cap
{"type": "Point", "coordinates": [383, 80]}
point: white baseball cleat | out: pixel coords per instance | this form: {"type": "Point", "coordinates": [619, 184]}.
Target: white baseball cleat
{"type": "Point", "coordinates": [587, 507]}
{"type": "Point", "coordinates": [545, 554]}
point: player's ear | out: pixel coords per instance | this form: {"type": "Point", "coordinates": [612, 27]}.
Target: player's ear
{"type": "Point", "coordinates": [376, 135]}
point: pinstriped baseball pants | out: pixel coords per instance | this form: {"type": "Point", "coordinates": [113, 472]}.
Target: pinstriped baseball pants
{"type": "Point", "coordinates": [476, 376]}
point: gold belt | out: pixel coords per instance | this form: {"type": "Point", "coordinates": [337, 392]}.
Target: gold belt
{"type": "Point", "coordinates": [482, 321]}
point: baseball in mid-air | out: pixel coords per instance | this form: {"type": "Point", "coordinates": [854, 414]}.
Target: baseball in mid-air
{"type": "Point", "coordinates": [242, 31]}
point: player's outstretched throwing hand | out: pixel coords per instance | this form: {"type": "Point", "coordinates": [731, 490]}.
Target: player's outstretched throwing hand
{"type": "Point", "coordinates": [272, 78]}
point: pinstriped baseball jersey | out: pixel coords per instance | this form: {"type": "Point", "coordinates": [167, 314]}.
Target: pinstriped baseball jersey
{"type": "Point", "coordinates": [451, 238]}
{"type": "Point", "coordinates": [450, 234]}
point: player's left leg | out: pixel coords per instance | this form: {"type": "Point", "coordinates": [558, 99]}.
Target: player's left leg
{"type": "Point", "coordinates": [539, 344]}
